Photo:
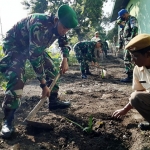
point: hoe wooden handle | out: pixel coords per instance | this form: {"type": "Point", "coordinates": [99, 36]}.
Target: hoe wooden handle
{"type": "Point", "coordinates": [41, 102]}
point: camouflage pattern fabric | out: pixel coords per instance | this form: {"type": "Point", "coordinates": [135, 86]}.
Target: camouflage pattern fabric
{"type": "Point", "coordinates": [121, 39]}
{"type": "Point", "coordinates": [85, 53]}
{"type": "Point", "coordinates": [105, 48]}
{"type": "Point", "coordinates": [128, 62]}
{"type": "Point", "coordinates": [28, 39]}
{"type": "Point", "coordinates": [130, 31]}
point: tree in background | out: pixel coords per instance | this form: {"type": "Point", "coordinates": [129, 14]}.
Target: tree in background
{"type": "Point", "coordinates": [112, 32]}
{"type": "Point", "coordinates": [89, 12]}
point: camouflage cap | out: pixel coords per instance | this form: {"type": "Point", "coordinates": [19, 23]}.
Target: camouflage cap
{"type": "Point", "coordinates": [67, 16]}
{"type": "Point", "coordinates": [139, 43]}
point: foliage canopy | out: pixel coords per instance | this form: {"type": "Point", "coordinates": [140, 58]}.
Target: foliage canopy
{"type": "Point", "coordinates": [89, 12]}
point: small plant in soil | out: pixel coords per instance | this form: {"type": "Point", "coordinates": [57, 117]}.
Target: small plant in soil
{"type": "Point", "coordinates": [87, 129]}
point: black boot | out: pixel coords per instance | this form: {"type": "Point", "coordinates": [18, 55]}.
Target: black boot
{"type": "Point", "coordinates": [128, 79]}
{"type": "Point", "coordinates": [144, 125]}
{"type": "Point", "coordinates": [88, 71]}
{"type": "Point", "coordinates": [7, 124]}
{"type": "Point", "coordinates": [55, 103]}
{"type": "Point", "coordinates": [83, 75]}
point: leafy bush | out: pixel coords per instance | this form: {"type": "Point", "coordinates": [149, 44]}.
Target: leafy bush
{"type": "Point", "coordinates": [29, 72]}
{"type": "Point", "coordinates": [72, 59]}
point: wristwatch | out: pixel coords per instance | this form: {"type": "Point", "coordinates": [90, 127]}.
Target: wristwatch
{"type": "Point", "coordinates": [42, 85]}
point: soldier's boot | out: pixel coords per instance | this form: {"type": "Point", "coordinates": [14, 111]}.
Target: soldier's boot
{"type": "Point", "coordinates": [88, 71]}
{"type": "Point", "coordinates": [7, 123]}
{"type": "Point", "coordinates": [83, 75]}
{"type": "Point", "coordinates": [128, 79]}
{"type": "Point", "coordinates": [56, 103]}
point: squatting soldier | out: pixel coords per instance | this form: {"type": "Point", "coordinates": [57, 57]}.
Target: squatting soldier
{"type": "Point", "coordinates": [139, 48]}
{"type": "Point", "coordinates": [85, 54]}
{"type": "Point", "coordinates": [28, 39]}
{"type": "Point", "coordinates": [130, 31]}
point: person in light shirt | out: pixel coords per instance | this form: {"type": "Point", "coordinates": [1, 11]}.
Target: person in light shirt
{"type": "Point", "coordinates": [97, 51]}
{"type": "Point", "coordinates": [96, 37]}
{"type": "Point", "coordinates": [139, 47]}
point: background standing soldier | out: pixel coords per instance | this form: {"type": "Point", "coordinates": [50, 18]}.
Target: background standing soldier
{"type": "Point", "coordinates": [121, 24]}
{"type": "Point", "coordinates": [96, 37]}
{"type": "Point", "coordinates": [85, 53]}
{"type": "Point", "coordinates": [115, 39]}
{"type": "Point", "coordinates": [97, 51]}
{"type": "Point", "coordinates": [28, 39]}
{"type": "Point", "coordinates": [130, 31]}
{"type": "Point", "coordinates": [105, 48]}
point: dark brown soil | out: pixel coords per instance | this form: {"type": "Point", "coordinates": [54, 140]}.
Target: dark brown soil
{"type": "Point", "coordinates": [95, 97]}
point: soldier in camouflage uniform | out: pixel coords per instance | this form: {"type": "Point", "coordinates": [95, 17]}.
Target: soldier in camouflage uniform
{"type": "Point", "coordinates": [85, 54]}
{"type": "Point", "coordinates": [105, 48]}
{"type": "Point", "coordinates": [121, 24]}
{"type": "Point", "coordinates": [130, 31]}
{"type": "Point", "coordinates": [28, 39]}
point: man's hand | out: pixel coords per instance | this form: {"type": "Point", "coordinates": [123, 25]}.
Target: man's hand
{"type": "Point", "coordinates": [63, 65]}
{"type": "Point", "coordinates": [119, 113]}
{"type": "Point", "coordinates": [45, 92]}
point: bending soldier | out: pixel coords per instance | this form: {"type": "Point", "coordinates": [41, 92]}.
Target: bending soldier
{"type": "Point", "coordinates": [85, 54]}
{"type": "Point", "coordinates": [28, 39]}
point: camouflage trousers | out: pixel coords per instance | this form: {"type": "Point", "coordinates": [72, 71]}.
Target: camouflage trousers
{"type": "Point", "coordinates": [83, 65]}
{"type": "Point", "coordinates": [83, 60]}
{"type": "Point", "coordinates": [128, 62]}
{"type": "Point", "coordinates": [13, 67]}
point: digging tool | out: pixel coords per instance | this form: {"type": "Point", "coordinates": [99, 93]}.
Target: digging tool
{"type": "Point", "coordinates": [27, 120]}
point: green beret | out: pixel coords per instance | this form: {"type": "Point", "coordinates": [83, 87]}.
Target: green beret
{"type": "Point", "coordinates": [67, 16]}
{"type": "Point", "coordinates": [139, 42]}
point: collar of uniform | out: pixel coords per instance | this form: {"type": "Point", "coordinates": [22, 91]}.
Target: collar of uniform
{"type": "Point", "coordinates": [141, 68]}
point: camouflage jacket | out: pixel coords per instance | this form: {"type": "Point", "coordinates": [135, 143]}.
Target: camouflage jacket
{"type": "Point", "coordinates": [130, 29]}
{"type": "Point", "coordinates": [86, 49]}
{"type": "Point", "coordinates": [105, 46]}
{"type": "Point", "coordinates": [31, 36]}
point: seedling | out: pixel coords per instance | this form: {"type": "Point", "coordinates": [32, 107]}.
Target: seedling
{"type": "Point", "coordinates": [86, 129]}
{"type": "Point", "coordinates": [103, 73]}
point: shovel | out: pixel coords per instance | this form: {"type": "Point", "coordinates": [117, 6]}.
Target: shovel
{"type": "Point", "coordinates": [33, 112]}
